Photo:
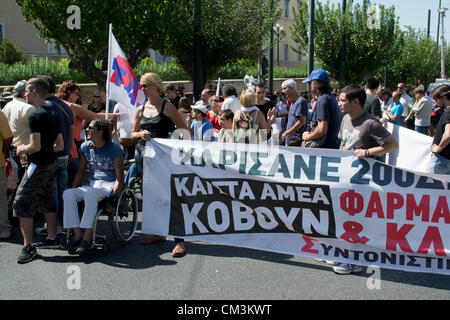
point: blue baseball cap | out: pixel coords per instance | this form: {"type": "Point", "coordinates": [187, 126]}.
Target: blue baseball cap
{"type": "Point", "coordinates": [318, 74]}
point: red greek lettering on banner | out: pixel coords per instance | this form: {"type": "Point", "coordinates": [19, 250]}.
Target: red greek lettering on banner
{"type": "Point", "coordinates": [309, 244]}
{"type": "Point", "coordinates": [352, 202]}
{"type": "Point", "coordinates": [374, 206]}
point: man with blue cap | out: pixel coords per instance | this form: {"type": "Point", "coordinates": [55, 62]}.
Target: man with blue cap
{"type": "Point", "coordinates": [326, 117]}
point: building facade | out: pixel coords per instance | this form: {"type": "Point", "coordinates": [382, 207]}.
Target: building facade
{"type": "Point", "coordinates": [14, 27]}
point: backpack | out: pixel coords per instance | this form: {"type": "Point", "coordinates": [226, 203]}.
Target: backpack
{"type": "Point", "coordinates": [244, 131]}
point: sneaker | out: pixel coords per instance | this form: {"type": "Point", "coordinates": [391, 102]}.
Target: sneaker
{"type": "Point", "coordinates": [5, 234]}
{"type": "Point", "coordinates": [345, 268]}
{"type": "Point", "coordinates": [49, 244]}
{"type": "Point", "coordinates": [84, 247]}
{"type": "Point", "coordinates": [333, 263]}
{"type": "Point", "coordinates": [27, 254]}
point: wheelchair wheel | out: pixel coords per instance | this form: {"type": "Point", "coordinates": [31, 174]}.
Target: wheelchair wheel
{"type": "Point", "coordinates": [125, 216]}
{"type": "Point", "coordinates": [135, 184]}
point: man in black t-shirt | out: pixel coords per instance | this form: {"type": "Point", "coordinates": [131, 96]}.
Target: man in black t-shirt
{"type": "Point", "coordinates": [171, 94]}
{"type": "Point", "coordinates": [36, 192]}
{"type": "Point", "coordinates": [263, 104]}
{"type": "Point", "coordinates": [373, 104]}
{"type": "Point", "coordinates": [440, 157]}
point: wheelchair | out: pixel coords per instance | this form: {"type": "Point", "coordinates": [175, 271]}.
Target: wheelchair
{"type": "Point", "coordinates": [121, 211]}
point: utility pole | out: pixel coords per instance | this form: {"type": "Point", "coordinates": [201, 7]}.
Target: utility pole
{"type": "Point", "coordinates": [439, 23]}
{"type": "Point", "coordinates": [428, 24]}
{"type": "Point", "coordinates": [311, 40]}
{"type": "Point", "coordinates": [343, 47]}
{"type": "Point", "coordinates": [442, 15]}
{"type": "Point", "coordinates": [270, 86]}
{"type": "Point", "coordinates": [198, 68]}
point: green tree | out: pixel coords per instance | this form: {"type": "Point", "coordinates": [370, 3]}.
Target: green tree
{"type": "Point", "coordinates": [136, 26]}
{"type": "Point", "coordinates": [417, 61]}
{"type": "Point", "coordinates": [230, 29]}
{"type": "Point", "coordinates": [368, 43]}
{"type": "Point", "coordinates": [10, 53]}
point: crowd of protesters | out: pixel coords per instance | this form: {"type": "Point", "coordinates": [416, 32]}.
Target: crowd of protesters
{"type": "Point", "coordinates": [50, 138]}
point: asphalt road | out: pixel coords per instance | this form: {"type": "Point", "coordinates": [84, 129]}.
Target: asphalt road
{"type": "Point", "coordinates": [207, 272]}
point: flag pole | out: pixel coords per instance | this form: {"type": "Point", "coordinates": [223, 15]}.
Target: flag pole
{"type": "Point", "coordinates": [218, 88]}
{"type": "Point", "coordinates": [108, 76]}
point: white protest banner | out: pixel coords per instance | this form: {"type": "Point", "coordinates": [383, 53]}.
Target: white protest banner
{"type": "Point", "coordinates": [414, 150]}
{"type": "Point", "coordinates": [314, 203]}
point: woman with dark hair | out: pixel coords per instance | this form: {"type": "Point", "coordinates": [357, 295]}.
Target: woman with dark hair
{"type": "Point", "coordinates": [105, 160]}
{"type": "Point", "coordinates": [70, 92]}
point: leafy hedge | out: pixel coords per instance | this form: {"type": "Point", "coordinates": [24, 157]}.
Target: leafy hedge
{"type": "Point", "coordinates": [59, 71]}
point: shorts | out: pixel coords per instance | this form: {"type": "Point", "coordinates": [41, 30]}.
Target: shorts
{"type": "Point", "coordinates": [36, 194]}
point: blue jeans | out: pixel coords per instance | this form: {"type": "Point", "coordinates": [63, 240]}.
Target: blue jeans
{"type": "Point", "coordinates": [132, 173]}
{"type": "Point", "coordinates": [60, 186]}
{"type": "Point", "coordinates": [423, 130]}
{"type": "Point", "coordinates": [438, 164]}
{"type": "Point", "coordinates": [139, 161]}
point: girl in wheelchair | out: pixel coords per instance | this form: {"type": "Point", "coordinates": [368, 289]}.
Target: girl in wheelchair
{"type": "Point", "coordinates": [105, 160]}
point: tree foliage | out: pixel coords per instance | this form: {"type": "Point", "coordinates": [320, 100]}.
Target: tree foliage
{"type": "Point", "coordinates": [416, 61]}
{"type": "Point", "coordinates": [368, 45]}
{"type": "Point", "coordinates": [10, 53]}
{"type": "Point", "coordinates": [136, 27]}
{"type": "Point", "coordinates": [230, 29]}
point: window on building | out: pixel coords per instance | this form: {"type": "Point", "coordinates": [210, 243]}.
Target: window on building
{"type": "Point", "coordinates": [286, 52]}
{"type": "Point", "coordinates": [299, 54]}
{"type": "Point", "coordinates": [53, 48]}
{"type": "Point", "coordinates": [286, 8]}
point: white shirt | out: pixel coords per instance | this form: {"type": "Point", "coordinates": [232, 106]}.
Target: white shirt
{"type": "Point", "coordinates": [17, 112]}
{"type": "Point", "coordinates": [125, 122]}
{"type": "Point", "coordinates": [386, 106]}
{"type": "Point", "coordinates": [231, 103]}
{"type": "Point", "coordinates": [407, 102]}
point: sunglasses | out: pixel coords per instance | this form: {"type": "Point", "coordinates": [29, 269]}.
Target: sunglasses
{"type": "Point", "coordinates": [90, 128]}
{"type": "Point", "coordinates": [143, 86]}
{"type": "Point", "coordinates": [96, 96]}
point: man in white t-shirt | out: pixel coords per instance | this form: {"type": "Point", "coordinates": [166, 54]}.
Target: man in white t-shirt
{"type": "Point", "coordinates": [17, 112]}
{"type": "Point", "coordinates": [231, 101]}
{"type": "Point", "coordinates": [421, 111]}
{"type": "Point", "coordinates": [406, 102]}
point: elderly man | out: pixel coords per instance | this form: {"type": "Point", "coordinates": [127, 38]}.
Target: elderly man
{"type": "Point", "coordinates": [17, 112]}
{"type": "Point", "coordinates": [296, 121]}
{"type": "Point", "coordinates": [206, 94]}
{"type": "Point", "coordinates": [422, 112]}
